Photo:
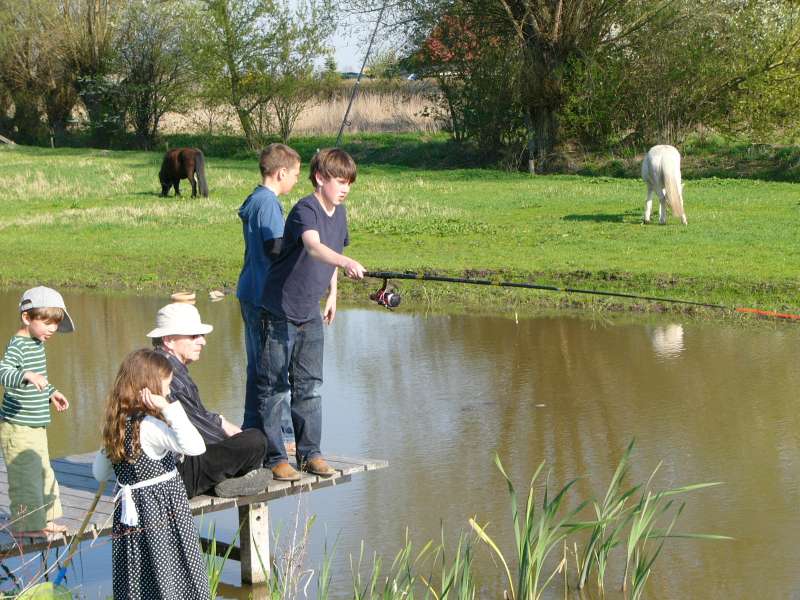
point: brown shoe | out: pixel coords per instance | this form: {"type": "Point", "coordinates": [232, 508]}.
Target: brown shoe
{"type": "Point", "coordinates": [285, 472]}
{"type": "Point", "coordinates": [319, 466]}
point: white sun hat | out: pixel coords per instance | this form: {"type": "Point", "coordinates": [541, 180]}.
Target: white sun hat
{"type": "Point", "coordinates": [179, 318]}
{"type": "Point", "coordinates": [45, 297]}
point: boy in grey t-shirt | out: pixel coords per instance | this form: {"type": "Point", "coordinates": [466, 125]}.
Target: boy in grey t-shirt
{"type": "Point", "coordinates": [313, 239]}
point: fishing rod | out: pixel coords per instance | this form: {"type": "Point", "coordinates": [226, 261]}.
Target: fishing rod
{"type": "Point", "coordinates": [345, 122]}
{"type": "Point", "coordinates": [390, 298]}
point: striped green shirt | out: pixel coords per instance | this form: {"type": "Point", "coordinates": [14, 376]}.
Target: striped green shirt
{"type": "Point", "coordinates": [23, 404]}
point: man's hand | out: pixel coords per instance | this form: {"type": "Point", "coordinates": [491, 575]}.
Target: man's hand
{"type": "Point", "coordinates": [37, 380]}
{"type": "Point", "coordinates": [353, 269]}
{"type": "Point", "coordinates": [229, 428]}
{"type": "Point", "coordinates": [329, 314]}
{"type": "Point", "coordinates": [59, 401]}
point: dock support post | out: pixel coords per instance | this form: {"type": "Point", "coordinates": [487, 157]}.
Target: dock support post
{"type": "Point", "coordinates": [254, 542]}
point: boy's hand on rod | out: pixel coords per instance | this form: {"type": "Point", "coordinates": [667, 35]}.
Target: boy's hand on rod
{"type": "Point", "coordinates": [354, 269]}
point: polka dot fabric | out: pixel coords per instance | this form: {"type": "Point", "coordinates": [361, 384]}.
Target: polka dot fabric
{"type": "Point", "coordinates": [160, 558]}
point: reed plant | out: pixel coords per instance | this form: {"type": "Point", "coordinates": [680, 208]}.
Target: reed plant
{"type": "Point", "coordinates": [214, 563]}
{"type": "Point", "coordinates": [399, 581]}
{"type": "Point", "coordinates": [647, 534]}
{"type": "Point", "coordinates": [648, 521]}
{"type": "Point", "coordinates": [536, 535]}
{"type": "Point", "coordinates": [456, 580]}
{"type": "Point", "coordinates": [288, 576]}
{"type": "Point", "coordinates": [612, 515]}
{"type": "Point", "coordinates": [542, 526]}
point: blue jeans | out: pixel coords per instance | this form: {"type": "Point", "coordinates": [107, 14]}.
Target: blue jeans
{"type": "Point", "coordinates": [291, 371]}
{"type": "Point", "coordinates": [254, 345]}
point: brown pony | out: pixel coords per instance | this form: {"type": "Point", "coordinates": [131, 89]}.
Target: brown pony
{"type": "Point", "coordinates": [183, 163]}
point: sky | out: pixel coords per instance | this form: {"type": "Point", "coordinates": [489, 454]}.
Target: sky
{"type": "Point", "coordinates": [347, 43]}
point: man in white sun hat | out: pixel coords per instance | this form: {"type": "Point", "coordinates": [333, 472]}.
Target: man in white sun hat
{"type": "Point", "coordinates": [231, 464]}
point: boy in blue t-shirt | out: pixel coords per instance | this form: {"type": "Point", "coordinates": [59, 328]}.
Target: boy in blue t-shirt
{"type": "Point", "coordinates": [313, 239]}
{"type": "Point", "coordinates": [262, 228]}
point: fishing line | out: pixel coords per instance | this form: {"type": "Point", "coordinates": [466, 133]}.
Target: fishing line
{"type": "Point", "coordinates": [345, 122]}
{"type": "Point", "coordinates": [384, 292]}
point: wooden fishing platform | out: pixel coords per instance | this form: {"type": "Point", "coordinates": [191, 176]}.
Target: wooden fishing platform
{"type": "Point", "coordinates": [78, 488]}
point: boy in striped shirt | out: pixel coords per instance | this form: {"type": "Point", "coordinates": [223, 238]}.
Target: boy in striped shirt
{"type": "Point", "coordinates": [25, 414]}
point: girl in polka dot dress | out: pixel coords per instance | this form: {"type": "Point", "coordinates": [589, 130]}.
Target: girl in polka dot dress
{"type": "Point", "coordinates": [155, 547]}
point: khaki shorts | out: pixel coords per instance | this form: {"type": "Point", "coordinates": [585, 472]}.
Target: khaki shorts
{"type": "Point", "coordinates": [32, 485]}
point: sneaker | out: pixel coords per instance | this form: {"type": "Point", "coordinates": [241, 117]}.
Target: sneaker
{"type": "Point", "coordinates": [285, 472]}
{"type": "Point", "coordinates": [319, 466]}
{"type": "Point", "coordinates": [249, 484]}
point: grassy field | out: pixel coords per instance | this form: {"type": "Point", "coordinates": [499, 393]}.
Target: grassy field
{"type": "Point", "coordinates": [93, 218]}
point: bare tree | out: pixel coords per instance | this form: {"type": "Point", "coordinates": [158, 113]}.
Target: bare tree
{"type": "Point", "coordinates": [151, 63]}
{"type": "Point", "coordinates": [241, 48]}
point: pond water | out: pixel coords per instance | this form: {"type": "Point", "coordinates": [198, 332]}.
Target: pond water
{"type": "Point", "coordinates": [438, 396]}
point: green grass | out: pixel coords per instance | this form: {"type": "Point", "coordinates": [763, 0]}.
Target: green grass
{"type": "Point", "coordinates": [93, 218]}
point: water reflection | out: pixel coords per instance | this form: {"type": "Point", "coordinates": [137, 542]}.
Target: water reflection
{"type": "Point", "coordinates": [439, 395]}
{"type": "Point", "coordinates": [668, 340]}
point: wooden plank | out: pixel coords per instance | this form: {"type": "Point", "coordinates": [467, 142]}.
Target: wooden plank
{"type": "Point", "coordinates": [370, 464]}
{"type": "Point", "coordinates": [78, 486]}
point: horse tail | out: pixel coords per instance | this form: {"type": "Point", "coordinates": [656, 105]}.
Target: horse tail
{"type": "Point", "coordinates": [671, 174]}
{"type": "Point", "coordinates": [200, 169]}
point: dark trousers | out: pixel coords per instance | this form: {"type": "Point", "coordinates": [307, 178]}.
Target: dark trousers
{"type": "Point", "coordinates": [254, 339]}
{"type": "Point", "coordinates": [291, 371]}
{"type": "Point", "coordinates": [232, 457]}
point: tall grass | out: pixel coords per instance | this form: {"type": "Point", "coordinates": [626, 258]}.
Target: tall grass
{"type": "Point", "coordinates": [652, 522]}
{"type": "Point", "coordinates": [384, 112]}
{"type": "Point", "coordinates": [537, 535]}
{"type": "Point", "coordinates": [543, 527]}
{"type": "Point", "coordinates": [611, 517]}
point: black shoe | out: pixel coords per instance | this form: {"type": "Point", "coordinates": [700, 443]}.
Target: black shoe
{"type": "Point", "coordinates": [249, 484]}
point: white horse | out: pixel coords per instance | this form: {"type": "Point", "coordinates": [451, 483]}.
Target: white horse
{"type": "Point", "coordinates": [661, 171]}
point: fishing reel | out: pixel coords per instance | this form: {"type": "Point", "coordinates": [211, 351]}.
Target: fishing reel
{"type": "Point", "coordinates": [386, 296]}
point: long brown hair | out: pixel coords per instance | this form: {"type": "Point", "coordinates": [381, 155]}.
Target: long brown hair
{"type": "Point", "coordinates": [140, 369]}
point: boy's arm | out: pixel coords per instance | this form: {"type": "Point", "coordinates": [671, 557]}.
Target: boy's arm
{"type": "Point", "coordinates": [59, 400]}
{"type": "Point", "coordinates": [270, 226]}
{"type": "Point", "coordinates": [272, 248]}
{"type": "Point", "coordinates": [329, 314]}
{"type": "Point", "coordinates": [321, 252]}
{"type": "Point", "coordinates": [11, 373]}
